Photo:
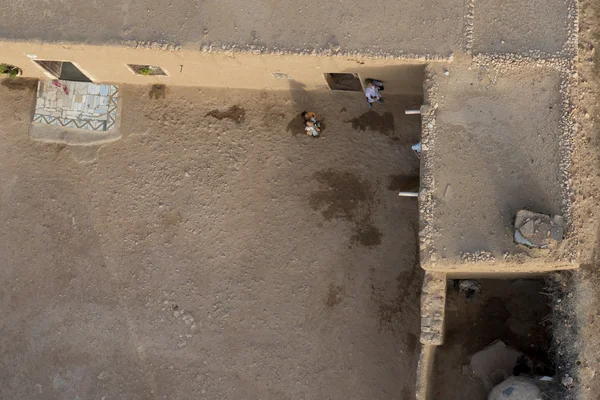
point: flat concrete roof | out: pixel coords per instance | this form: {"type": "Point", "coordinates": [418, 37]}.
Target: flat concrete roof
{"type": "Point", "coordinates": [495, 148]}
{"type": "Point", "coordinates": [525, 26]}
{"type": "Point", "coordinates": [431, 28]}
{"type": "Point", "coordinates": [378, 25]}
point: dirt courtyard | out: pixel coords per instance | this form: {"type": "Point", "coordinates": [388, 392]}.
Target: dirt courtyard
{"type": "Point", "coordinates": [214, 252]}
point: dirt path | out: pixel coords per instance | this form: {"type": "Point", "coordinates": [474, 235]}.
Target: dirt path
{"type": "Point", "coordinates": [586, 177]}
{"type": "Point", "coordinates": [214, 252]}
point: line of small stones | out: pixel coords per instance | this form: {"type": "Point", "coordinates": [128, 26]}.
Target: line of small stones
{"type": "Point", "coordinates": [468, 26]}
{"type": "Point", "coordinates": [428, 184]}
{"type": "Point", "coordinates": [335, 51]}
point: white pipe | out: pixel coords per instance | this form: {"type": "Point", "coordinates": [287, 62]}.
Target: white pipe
{"type": "Point", "coordinates": [408, 194]}
{"type": "Point", "coordinates": [412, 112]}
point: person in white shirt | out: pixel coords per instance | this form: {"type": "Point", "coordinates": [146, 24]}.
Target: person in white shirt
{"type": "Point", "coordinates": [372, 91]}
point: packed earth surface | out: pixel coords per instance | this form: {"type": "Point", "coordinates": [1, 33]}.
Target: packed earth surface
{"type": "Point", "coordinates": [215, 251]}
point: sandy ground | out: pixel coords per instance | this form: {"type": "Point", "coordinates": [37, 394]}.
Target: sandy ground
{"type": "Point", "coordinates": [214, 252]}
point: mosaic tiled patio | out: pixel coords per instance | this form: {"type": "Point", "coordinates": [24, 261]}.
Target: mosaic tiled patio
{"type": "Point", "coordinates": [78, 105]}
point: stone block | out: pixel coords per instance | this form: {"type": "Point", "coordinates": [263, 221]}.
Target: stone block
{"type": "Point", "coordinates": [538, 230]}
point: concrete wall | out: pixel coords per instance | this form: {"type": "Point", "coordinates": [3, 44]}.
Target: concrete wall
{"type": "Point", "coordinates": [107, 64]}
{"type": "Point", "coordinates": [424, 384]}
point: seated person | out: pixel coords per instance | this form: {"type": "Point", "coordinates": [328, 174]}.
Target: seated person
{"type": "Point", "coordinates": [311, 116]}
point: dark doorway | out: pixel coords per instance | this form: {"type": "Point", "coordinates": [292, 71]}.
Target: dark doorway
{"type": "Point", "coordinates": [348, 82]}
{"type": "Point", "coordinates": [513, 311]}
{"type": "Point", "coordinates": [63, 70]}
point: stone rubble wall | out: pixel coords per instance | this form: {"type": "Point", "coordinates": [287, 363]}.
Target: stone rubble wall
{"type": "Point", "coordinates": [433, 304]}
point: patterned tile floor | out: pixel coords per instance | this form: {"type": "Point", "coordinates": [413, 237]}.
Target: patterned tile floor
{"type": "Point", "coordinates": [78, 105]}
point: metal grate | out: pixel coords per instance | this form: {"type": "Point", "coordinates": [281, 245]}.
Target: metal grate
{"type": "Point", "coordinates": [280, 75]}
{"type": "Point", "coordinates": [54, 67]}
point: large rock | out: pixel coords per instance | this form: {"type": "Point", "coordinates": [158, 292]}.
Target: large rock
{"type": "Point", "coordinates": [494, 364]}
{"type": "Point", "coordinates": [538, 230]}
{"type": "Point", "coordinates": [516, 388]}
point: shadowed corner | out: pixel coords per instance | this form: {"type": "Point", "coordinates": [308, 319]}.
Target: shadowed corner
{"type": "Point", "coordinates": [302, 100]}
{"type": "Point", "coordinates": [22, 84]}
{"type": "Point", "coordinates": [158, 92]}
